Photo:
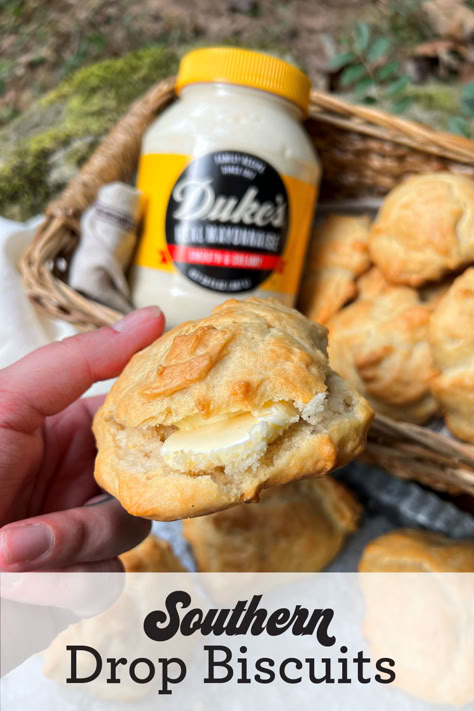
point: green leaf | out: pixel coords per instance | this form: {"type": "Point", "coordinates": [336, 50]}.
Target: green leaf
{"type": "Point", "coordinates": [2, 87]}
{"type": "Point", "coordinates": [8, 113]}
{"type": "Point", "coordinates": [341, 60]}
{"type": "Point", "coordinates": [400, 106]}
{"type": "Point", "coordinates": [397, 86]}
{"type": "Point", "coordinates": [97, 40]}
{"type": "Point", "coordinates": [387, 71]}
{"type": "Point", "coordinates": [37, 61]}
{"type": "Point", "coordinates": [370, 100]}
{"type": "Point", "coordinates": [459, 125]}
{"type": "Point", "coordinates": [468, 89]}
{"type": "Point", "coordinates": [378, 49]}
{"type": "Point", "coordinates": [352, 74]}
{"type": "Point", "coordinates": [362, 86]}
{"type": "Point", "coordinates": [361, 35]}
{"type": "Point", "coordinates": [6, 68]}
{"type": "Point", "coordinates": [467, 99]}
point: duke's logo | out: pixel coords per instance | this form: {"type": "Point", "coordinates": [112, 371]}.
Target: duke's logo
{"type": "Point", "coordinates": [199, 202]}
{"type": "Point", "coordinates": [227, 221]}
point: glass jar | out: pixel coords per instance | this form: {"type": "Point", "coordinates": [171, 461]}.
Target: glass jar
{"type": "Point", "coordinates": [229, 178]}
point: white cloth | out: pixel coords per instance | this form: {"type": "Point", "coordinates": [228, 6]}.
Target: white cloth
{"type": "Point", "coordinates": [23, 326]}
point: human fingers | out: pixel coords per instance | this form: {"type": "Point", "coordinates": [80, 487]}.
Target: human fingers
{"type": "Point", "coordinates": [53, 541]}
{"type": "Point", "coordinates": [92, 404]}
{"type": "Point", "coordinates": [51, 378]}
{"type": "Point", "coordinates": [45, 603]}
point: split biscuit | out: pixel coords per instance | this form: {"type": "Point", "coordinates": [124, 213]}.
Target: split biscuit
{"type": "Point", "coordinates": [218, 409]}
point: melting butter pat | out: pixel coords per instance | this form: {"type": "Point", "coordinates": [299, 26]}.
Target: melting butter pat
{"type": "Point", "coordinates": [233, 441]}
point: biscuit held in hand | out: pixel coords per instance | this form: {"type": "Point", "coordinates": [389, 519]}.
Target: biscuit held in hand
{"type": "Point", "coordinates": [217, 409]}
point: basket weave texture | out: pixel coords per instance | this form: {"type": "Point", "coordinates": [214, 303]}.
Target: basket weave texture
{"type": "Point", "coordinates": [364, 152]}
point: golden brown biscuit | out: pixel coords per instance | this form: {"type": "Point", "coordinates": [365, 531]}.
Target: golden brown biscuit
{"type": "Point", "coordinates": [380, 344]}
{"type": "Point", "coordinates": [217, 409]}
{"type": "Point", "coordinates": [423, 622]}
{"type": "Point", "coordinates": [338, 254]}
{"type": "Point", "coordinates": [431, 292]}
{"type": "Point", "coordinates": [451, 336]}
{"type": "Point", "coordinates": [424, 229]}
{"type": "Point", "coordinates": [112, 631]}
{"type": "Point", "coordinates": [415, 551]}
{"type": "Point", "coordinates": [153, 555]}
{"type": "Point", "coordinates": [295, 528]}
{"type": "Point", "coordinates": [373, 283]}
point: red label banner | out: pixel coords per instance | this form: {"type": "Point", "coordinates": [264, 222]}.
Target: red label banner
{"type": "Point", "coordinates": [224, 258]}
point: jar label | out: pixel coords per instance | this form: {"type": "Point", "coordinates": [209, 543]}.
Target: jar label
{"type": "Point", "coordinates": [228, 221]}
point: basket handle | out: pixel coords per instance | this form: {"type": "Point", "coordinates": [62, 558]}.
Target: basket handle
{"type": "Point", "coordinates": [117, 155]}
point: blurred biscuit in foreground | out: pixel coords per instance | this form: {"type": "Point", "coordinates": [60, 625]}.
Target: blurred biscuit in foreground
{"type": "Point", "coordinates": [416, 551]}
{"type": "Point", "coordinates": [152, 555]}
{"type": "Point", "coordinates": [115, 631]}
{"type": "Point", "coordinates": [424, 622]}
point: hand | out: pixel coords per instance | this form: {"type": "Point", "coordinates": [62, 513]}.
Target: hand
{"type": "Point", "coordinates": [52, 513]}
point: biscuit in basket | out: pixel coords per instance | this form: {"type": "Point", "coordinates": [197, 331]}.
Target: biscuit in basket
{"type": "Point", "coordinates": [153, 555]}
{"type": "Point", "coordinates": [338, 254]}
{"type": "Point", "coordinates": [423, 622]}
{"type": "Point", "coordinates": [414, 551]}
{"type": "Point", "coordinates": [451, 335]}
{"type": "Point", "coordinates": [295, 528]}
{"type": "Point", "coordinates": [424, 229]}
{"type": "Point", "coordinates": [380, 344]}
{"type": "Point", "coordinates": [217, 409]}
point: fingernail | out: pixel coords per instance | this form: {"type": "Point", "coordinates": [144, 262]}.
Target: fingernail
{"type": "Point", "coordinates": [99, 499]}
{"type": "Point", "coordinates": [132, 320]}
{"type": "Point", "coordinates": [26, 543]}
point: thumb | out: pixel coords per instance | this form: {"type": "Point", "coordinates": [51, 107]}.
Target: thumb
{"type": "Point", "coordinates": [51, 378]}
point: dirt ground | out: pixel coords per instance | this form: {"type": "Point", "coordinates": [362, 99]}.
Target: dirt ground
{"type": "Point", "coordinates": [42, 42]}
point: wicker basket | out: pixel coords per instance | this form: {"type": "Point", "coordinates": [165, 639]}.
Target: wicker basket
{"type": "Point", "coordinates": [364, 152]}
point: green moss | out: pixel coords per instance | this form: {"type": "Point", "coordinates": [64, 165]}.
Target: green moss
{"type": "Point", "coordinates": [116, 79]}
{"type": "Point", "coordinates": [438, 97]}
{"type": "Point", "coordinates": [67, 124]}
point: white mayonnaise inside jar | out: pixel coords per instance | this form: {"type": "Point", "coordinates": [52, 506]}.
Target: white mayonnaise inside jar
{"type": "Point", "coordinates": [229, 178]}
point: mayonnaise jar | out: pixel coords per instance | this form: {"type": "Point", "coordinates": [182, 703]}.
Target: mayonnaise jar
{"type": "Point", "coordinates": [229, 178]}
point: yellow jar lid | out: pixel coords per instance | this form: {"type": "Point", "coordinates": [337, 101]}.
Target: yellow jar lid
{"type": "Point", "coordinates": [246, 68]}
